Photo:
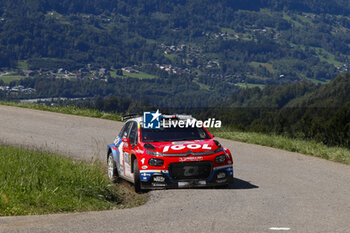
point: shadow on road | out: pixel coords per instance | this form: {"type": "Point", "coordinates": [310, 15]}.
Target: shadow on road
{"type": "Point", "coordinates": [237, 184]}
{"type": "Point", "coordinates": [241, 184]}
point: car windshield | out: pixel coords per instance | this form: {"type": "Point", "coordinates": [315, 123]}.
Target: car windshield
{"type": "Point", "coordinates": [173, 134]}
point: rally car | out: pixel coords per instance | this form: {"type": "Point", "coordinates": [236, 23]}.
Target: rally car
{"type": "Point", "coordinates": [172, 157]}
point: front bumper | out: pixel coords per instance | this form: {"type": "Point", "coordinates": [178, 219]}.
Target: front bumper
{"type": "Point", "coordinates": [161, 179]}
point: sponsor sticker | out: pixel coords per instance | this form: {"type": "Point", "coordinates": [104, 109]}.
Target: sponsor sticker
{"type": "Point", "coordinates": [189, 159]}
{"type": "Point", "coordinates": [139, 151]}
{"type": "Point", "coordinates": [145, 174]}
{"type": "Point", "coordinates": [158, 185]}
{"type": "Point", "coordinates": [182, 142]}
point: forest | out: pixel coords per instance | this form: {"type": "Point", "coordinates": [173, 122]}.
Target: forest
{"type": "Point", "coordinates": [257, 42]}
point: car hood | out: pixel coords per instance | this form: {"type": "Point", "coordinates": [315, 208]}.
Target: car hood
{"type": "Point", "coordinates": [185, 147]}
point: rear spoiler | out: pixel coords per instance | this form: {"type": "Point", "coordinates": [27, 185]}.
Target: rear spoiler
{"type": "Point", "coordinates": [127, 117]}
{"type": "Point", "coordinates": [178, 117]}
{"type": "Point", "coordinates": [174, 116]}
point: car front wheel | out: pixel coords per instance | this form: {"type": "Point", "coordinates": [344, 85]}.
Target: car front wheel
{"type": "Point", "coordinates": [112, 169]}
{"type": "Point", "coordinates": [137, 181]}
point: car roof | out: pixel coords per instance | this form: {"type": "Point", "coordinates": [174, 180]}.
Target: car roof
{"type": "Point", "coordinates": [139, 120]}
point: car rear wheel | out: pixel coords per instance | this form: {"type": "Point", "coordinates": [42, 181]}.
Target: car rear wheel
{"type": "Point", "coordinates": [112, 169]}
{"type": "Point", "coordinates": [137, 181]}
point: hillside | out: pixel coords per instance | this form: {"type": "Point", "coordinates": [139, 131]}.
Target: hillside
{"type": "Point", "coordinates": [302, 110]}
{"type": "Point", "coordinates": [298, 95]}
{"type": "Point", "coordinates": [234, 43]}
{"type": "Point", "coordinates": [333, 95]}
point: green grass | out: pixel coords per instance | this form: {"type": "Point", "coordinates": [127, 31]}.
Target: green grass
{"type": "Point", "coordinates": [289, 19]}
{"type": "Point", "coordinates": [228, 30]}
{"type": "Point", "coordinates": [9, 78]}
{"type": "Point", "coordinates": [140, 75]}
{"type": "Point", "coordinates": [22, 65]}
{"type": "Point", "coordinates": [33, 182]}
{"type": "Point", "coordinates": [113, 73]}
{"type": "Point", "coordinates": [172, 57]}
{"type": "Point", "coordinates": [250, 85]}
{"type": "Point", "coordinates": [72, 110]}
{"type": "Point", "coordinates": [268, 66]}
{"type": "Point", "coordinates": [324, 55]}
{"type": "Point", "coordinates": [303, 20]}
{"type": "Point", "coordinates": [317, 81]}
{"type": "Point", "coordinates": [336, 154]}
{"type": "Point", "coordinates": [201, 85]}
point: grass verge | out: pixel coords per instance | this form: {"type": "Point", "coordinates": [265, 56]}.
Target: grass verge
{"type": "Point", "coordinates": [72, 110]}
{"type": "Point", "coordinates": [33, 182]}
{"type": "Point", "coordinates": [336, 154]}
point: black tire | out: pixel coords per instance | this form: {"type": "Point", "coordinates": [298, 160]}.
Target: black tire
{"type": "Point", "coordinates": [227, 185]}
{"type": "Point", "coordinates": [137, 181]}
{"type": "Point", "coordinates": [112, 168]}
{"type": "Point", "coordinates": [224, 186]}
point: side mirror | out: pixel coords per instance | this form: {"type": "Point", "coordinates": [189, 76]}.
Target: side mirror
{"type": "Point", "coordinates": [127, 142]}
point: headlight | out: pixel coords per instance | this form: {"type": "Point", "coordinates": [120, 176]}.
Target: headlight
{"type": "Point", "coordinates": [156, 162]}
{"type": "Point", "coordinates": [154, 153]}
{"type": "Point", "coordinates": [220, 149]}
{"type": "Point", "coordinates": [220, 159]}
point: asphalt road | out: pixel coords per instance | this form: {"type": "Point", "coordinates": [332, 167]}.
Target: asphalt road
{"type": "Point", "coordinates": [274, 191]}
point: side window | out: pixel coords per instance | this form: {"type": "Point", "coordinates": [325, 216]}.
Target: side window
{"type": "Point", "coordinates": [133, 134]}
{"type": "Point", "coordinates": [124, 132]}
